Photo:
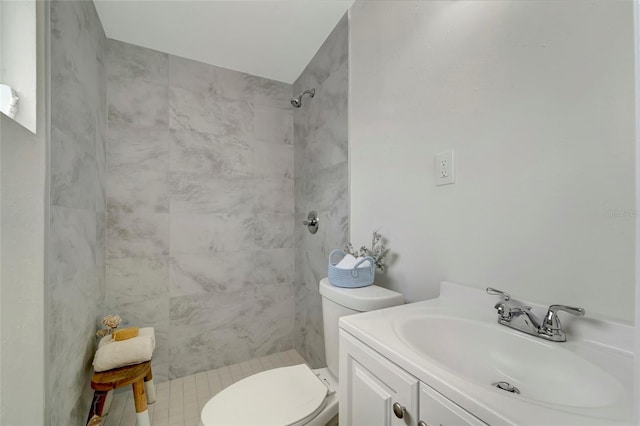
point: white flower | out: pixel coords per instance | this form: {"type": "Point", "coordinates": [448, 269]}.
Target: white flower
{"type": "Point", "coordinates": [111, 321]}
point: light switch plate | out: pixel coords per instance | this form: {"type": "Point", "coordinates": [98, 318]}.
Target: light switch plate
{"type": "Point", "coordinates": [445, 171]}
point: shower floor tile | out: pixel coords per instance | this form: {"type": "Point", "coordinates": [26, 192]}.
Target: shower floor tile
{"type": "Point", "coordinates": [179, 401]}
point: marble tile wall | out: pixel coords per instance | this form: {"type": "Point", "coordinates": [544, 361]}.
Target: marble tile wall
{"type": "Point", "coordinates": [200, 208]}
{"type": "Point", "coordinates": [76, 247]}
{"type": "Point", "coordinates": [321, 183]}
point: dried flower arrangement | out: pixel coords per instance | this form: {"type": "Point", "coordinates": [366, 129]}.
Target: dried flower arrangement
{"type": "Point", "coordinates": [111, 322]}
{"type": "Point", "coordinates": [377, 251]}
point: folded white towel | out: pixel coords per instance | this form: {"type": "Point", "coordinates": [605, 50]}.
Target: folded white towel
{"type": "Point", "coordinates": [348, 262]}
{"type": "Point", "coordinates": [8, 101]}
{"type": "Point", "coordinates": [113, 354]}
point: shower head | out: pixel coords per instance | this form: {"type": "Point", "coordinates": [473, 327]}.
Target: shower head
{"type": "Point", "coordinates": [297, 101]}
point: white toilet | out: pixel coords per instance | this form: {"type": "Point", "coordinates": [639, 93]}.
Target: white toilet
{"type": "Point", "coordinates": [297, 395]}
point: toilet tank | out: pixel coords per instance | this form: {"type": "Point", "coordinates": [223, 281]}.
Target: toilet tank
{"type": "Point", "coordinates": [338, 302]}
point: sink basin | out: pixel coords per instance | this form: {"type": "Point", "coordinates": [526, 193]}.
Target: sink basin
{"type": "Point", "coordinates": [484, 352]}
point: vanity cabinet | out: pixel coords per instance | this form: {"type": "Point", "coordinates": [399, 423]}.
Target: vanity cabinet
{"type": "Point", "coordinates": [437, 410]}
{"type": "Point", "coordinates": [376, 392]}
{"type": "Point", "coordinates": [370, 386]}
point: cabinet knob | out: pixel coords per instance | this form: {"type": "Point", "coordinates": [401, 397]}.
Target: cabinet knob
{"type": "Point", "coordinates": [422, 423]}
{"type": "Point", "coordinates": [399, 410]}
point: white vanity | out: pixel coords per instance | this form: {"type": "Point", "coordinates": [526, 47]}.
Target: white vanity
{"type": "Point", "coordinates": [447, 362]}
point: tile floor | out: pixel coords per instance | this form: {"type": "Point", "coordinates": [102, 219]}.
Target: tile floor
{"type": "Point", "coordinates": [179, 402]}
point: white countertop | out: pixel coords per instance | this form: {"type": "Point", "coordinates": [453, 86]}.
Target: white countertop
{"type": "Point", "coordinates": [607, 344]}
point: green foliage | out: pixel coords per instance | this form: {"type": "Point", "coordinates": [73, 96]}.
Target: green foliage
{"type": "Point", "coordinates": [377, 251]}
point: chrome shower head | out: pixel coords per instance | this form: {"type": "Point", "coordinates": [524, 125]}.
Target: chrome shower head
{"type": "Point", "coordinates": [297, 101]}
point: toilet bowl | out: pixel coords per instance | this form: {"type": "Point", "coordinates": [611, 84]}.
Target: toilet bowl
{"type": "Point", "coordinates": [297, 395]}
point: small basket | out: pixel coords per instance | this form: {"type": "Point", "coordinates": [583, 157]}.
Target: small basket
{"type": "Point", "coordinates": [350, 278]}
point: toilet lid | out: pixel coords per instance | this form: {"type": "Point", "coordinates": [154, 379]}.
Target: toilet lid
{"type": "Point", "coordinates": [282, 396]}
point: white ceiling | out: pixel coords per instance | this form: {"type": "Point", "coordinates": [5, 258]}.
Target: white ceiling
{"type": "Point", "coordinates": [275, 39]}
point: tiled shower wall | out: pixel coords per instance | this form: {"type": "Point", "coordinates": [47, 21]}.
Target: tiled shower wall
{"type": "Point", "coordinates": [200, 208]}
{"type": "Point", "coordinates": [321, 182]}
{"type": "Point", "coordinates": [200, 190]}
{"type": "Point", "coordinates": [77, 206]}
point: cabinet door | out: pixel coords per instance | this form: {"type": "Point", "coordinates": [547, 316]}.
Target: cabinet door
{"type": "Point", "coordinates": [437, 410]}
{"type": "Point", "coordinates": [370, 385]}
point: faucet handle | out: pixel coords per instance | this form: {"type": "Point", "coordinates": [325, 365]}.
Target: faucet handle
{"type": "Point", "coordinates": [496, 292]}
{"type": "Point", "coordinates": [573, 311]}
{"type": "Point", "coordinates": [551, 325]}
{"type": "Point", "coordinates": [504, 311]}
{"type": "Point", "coordinates": [551, 320]}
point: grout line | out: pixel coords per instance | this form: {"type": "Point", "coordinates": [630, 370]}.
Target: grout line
{"type": "Point", "coordinates": [236, 372]}
{"type": "Point", "coordinates": [225, 377]}
{"type": "Point", "coordinates": [202, 389]}
{"type": "Point", "coordinates": [129, 414]}
{"type": "Point", "coordinates": [256, 365]}
{"type": "Point", "coordinates": [215, 384]}
{"type": "Point", "coordinates": [266, 362]}
{"type": "Point", "coordinates": [247, 369]}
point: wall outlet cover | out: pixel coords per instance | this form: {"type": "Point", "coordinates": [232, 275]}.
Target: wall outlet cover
{"type": "Point", "coordinates": [445, 171]}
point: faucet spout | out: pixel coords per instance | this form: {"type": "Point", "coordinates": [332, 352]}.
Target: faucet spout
{"type": "Point", "coordinates": [520, 318]}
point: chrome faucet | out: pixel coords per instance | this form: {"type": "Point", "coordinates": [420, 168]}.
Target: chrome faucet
{"type": "Point", "coordinates": [521, 318]}
{"type": "Point", "coordinates": [551, 328]}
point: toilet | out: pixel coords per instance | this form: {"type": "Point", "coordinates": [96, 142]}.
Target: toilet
{"type": "Point", "coordinates": [297, 395]}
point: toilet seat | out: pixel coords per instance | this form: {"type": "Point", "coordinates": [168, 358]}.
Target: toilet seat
{"type": "Point", "coordinates": [281, 396]}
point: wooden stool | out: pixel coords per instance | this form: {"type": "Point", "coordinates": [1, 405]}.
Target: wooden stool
{"type": "Point", "coordinates": [138, 375]}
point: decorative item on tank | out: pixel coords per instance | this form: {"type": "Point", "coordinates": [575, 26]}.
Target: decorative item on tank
{"type": "Point", "coordinates": [111, 322]}
{"type": "Point", "coordinates": [356, 268]}
{"type": "Point", "coordinates": [377, 251]}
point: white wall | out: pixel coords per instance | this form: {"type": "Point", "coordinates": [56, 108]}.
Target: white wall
{"type": "Point", "coordinates": [636, 15]}
{"type": "Point", "coordinates": [22, 263]}
{"type": "Point", "coordinates": [537, 100]}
